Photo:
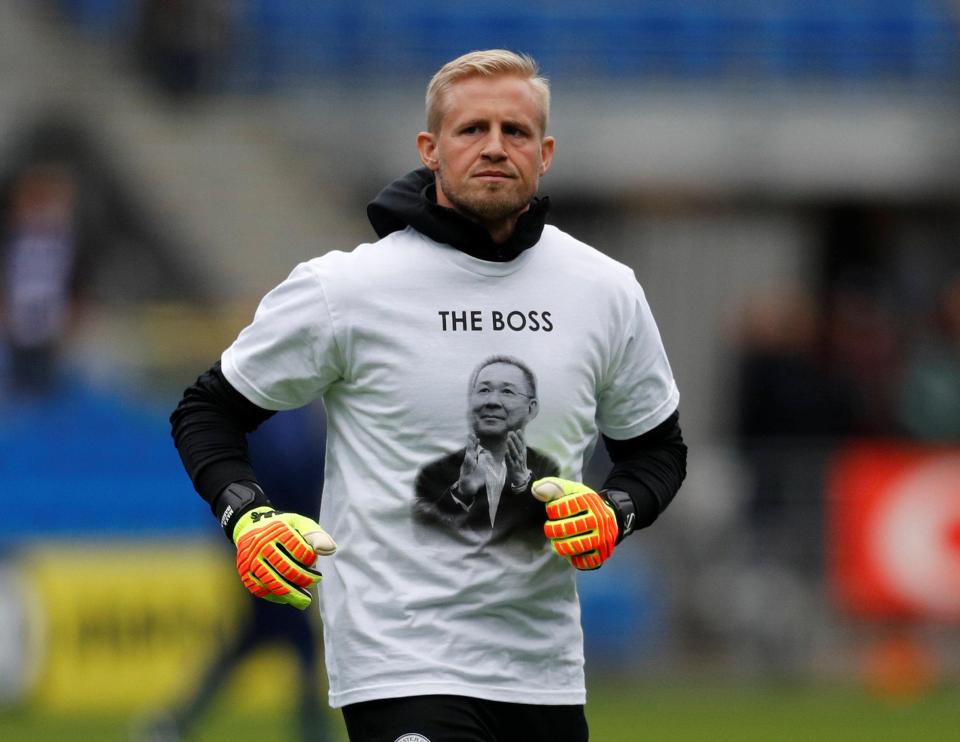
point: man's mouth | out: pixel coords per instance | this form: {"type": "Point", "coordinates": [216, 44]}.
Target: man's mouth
{"type": "Point", "coordinates": [493, 175]}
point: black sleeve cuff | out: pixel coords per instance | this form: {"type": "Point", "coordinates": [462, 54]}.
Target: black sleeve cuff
{"type": "Point", "coordinates": [626, 512]}
{"type": "Point", "coordinates": [235, 500]}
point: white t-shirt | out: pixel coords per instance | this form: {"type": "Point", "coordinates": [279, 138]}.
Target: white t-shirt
{"type": "Point", "coordinates": [390, 335]}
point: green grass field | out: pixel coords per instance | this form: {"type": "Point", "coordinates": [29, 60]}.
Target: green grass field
{"type": "Point", "coordinates": [767, 714]}
{"type": "Point", "coordinates": [707, 713]}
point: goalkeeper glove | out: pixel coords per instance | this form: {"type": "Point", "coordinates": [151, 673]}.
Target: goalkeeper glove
{"type": "Point", "coordinates": [581, 526]}
{"type": "Point", "coordinates": [275, 554]}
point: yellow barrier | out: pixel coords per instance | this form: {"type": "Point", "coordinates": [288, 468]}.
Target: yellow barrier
{"type": "Point", "coordinates": [126, 627]}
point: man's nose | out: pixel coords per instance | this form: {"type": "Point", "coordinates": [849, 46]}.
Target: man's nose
{"type": "Point", "coordinates": [493, 146]}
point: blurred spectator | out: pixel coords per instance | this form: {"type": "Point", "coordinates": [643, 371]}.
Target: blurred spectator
{"type": "Point", "coordinates": [288, 452]}
{"type": "Point", "coordinates": [863, 349]}
{"type": "Point", "coordinates": [39, 269]}
{"type": "Point", "coordinates": [789, 407]}
{"type": "Point", "coordinates": [861, 296]}
{"type": "Point", "coordinates": [181, 45]}
{"type": "Point", "coordinates": [71, 232]}
{"type": "Point", "coordinates": [786, 388]}
{"type": "Point", "coordinates": [929, 404]}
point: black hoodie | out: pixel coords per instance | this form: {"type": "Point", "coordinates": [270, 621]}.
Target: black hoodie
{"type": "Point", "coordinates": [412, 201]}
{"type": "Point", "coordinates": [210, 424]}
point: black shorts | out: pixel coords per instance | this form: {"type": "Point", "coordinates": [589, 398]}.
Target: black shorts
{"type": "Point", "coordinates": [462, 719]}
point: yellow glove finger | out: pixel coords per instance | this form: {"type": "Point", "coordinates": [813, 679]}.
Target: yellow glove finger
{"type": "Point", "coordinates": [258, 589]}
{"type": "Point", "coordinates": [552, 488]}
{"type": "Point", "coordinates": [318, 539]}
{"type": "Point", "coordinates": [587, 562]}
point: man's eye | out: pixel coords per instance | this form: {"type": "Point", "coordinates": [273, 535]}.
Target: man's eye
{"type": "Point", "coordinates": [508, 393]}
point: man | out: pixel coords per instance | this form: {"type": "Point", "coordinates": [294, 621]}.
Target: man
{"type": "Point", "coordinates": [486, 484]}
{"type": "Point", "coordinates": [429, 638]}
{"type": "Point", "coordinates": [39, 253]}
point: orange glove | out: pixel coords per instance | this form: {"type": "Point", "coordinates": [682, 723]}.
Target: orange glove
{"type": "Point", "coordinates": [275, 553]}
{"type": "Point", "coordinates": [580, 525]}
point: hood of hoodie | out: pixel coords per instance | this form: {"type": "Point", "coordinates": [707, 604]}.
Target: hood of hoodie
{"type": "Point", "coordinates": [411, 201]}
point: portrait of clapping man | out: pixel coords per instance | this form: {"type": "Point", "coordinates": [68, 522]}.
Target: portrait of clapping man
{"type": "Point", "coordinates": [485, 486]}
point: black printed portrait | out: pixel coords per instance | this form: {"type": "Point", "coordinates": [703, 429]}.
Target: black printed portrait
{"type": "Point", "coordinates": [484, 487]}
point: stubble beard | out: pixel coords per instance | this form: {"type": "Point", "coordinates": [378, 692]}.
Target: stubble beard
{"type": "Point", "coordinates": [487, 204]}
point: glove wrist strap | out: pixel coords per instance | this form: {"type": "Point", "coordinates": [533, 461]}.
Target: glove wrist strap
{"type": "Point", "coordinates": [235, 500]}
{"type": "Point", "coordinates": [624, 510]}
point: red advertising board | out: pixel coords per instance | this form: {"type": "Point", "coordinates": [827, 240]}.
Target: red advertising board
{"type": "Point", "coordinates": [894, 531]}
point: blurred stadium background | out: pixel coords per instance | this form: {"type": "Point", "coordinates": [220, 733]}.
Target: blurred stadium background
{"type": "Point", "coordinates": [783, 176]}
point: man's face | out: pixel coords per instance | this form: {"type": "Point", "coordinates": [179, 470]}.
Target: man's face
{"type": "Point", "coordinates": [490, 151]}
{"type": "Point", "coordinates": [501, 401]}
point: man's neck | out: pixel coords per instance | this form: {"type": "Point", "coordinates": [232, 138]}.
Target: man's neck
{"type": "Point", "coordinates": [500, 232]}
{"type": "Point", "coordinates": [496, 447]}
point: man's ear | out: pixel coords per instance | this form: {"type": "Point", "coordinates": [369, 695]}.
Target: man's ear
{"type": "Point", "coordinates": [547, 149]}
{"type": "Point", "coordinates": [534, 408]}
{"type": "Point", "coordinates": [427, 147]}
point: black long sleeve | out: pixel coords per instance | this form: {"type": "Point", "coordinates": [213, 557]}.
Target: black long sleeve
{"type": "Point", "coordinates": [650, 469]}
{"type": "Point", "coordinates": [209, 428]}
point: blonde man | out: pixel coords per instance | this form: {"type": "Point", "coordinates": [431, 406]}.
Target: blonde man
{"type": "Point", "coordinates": [438, 633]}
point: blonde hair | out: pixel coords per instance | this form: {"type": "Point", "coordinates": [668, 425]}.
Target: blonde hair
{"type": "Point", "coordinates": [489, 63]}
